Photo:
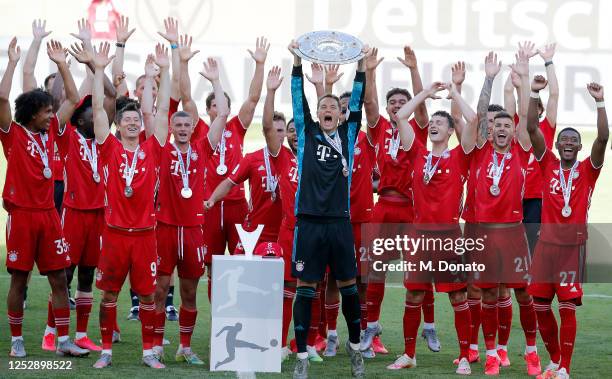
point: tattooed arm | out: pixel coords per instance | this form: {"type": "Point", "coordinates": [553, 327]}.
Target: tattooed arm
{"type": "Point", "coordinates": [492, 67]}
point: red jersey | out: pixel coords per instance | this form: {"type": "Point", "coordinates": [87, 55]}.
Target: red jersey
{"type": "Point", "coordinates": [172, 208]}
{"type": "Point", "coordinates": [25, 186]}
{"type": "Point", "coordinates": [394, 172]}
{"type": "Point", "coordinates": [508, 205]}
{"type": "Point", "coordinates": [137, 211]}
{"type": "Point", "coordinates": [286, 166]}
{"type": "Point", "coordinates": [439, 201]}
{"type": "Point", "coordinates": [469, 214]}
{"type": "Point", "coordinates": [58, 164]}
{"type": "Point", "coordinates": [233, 136]}
{"type": "Point", "coordinates": [555, 227]}
{"type": "Point", "coordinates": [265, 203]}
{"type": "Point", "coordinates": [362, 193]}
{"type": "Point", "coordinates": [534, 182]}
{"type": "Point", "coordinates": [81, 191]}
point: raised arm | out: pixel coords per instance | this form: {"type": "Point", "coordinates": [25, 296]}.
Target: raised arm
{"type": "Point", "coordinates": [410, 61]}
{"type": "Point", "coordinates": [492, 67]}
{"type": "Point", "coordinates": [370, 102]}
{"type": "Point", "coordinates": [272, 84]}
{"type": "Point", "coordinates": [521, 67]}
{"type": "Point", "coordinates": [317, 78]}
{"type": "Point", "coordinates": [533, 123]}
{"type": "Point", "coordinates": [100, 118]}
{"type": "Point", "coordinates": [301, 112]}
{"type": "Point", "coordinates": [172, 36]}
{"type": "Point", "coordinates": [163, 94]}
{"type": "Point", "coordinates": [219, 193]}
{"type": "Point", "coordinates": [468, 140]}
{"type": "Point", "coordinates": [406, 132]}
{"type": "Point", "coordinates": [457, 79]}
{"type": "Point", "coordinates": [211, 72]}
{"type": "Point", "coordinates": [6, 117]}
{"type": "Point", "coordinates": [58, 56]}
{"type": "Point", "coordinates": [512, 82]}
{"type": "Point", "coordinates": [247, 110]}
{"type": "Point", "coordinates": [122, 27]}
{"type": "Point", "coordinates": [185, 54]}
{"type": "Point", "coordinates": [598, 151]}
{"type": "Point", "coordinates": [547, 53]}
{"type": "Point", "coordinates": [331, 77]}
{"type": "Point", "coordinates": [29, 65]}
{"type": "Point", "coordinates": [151, 72]}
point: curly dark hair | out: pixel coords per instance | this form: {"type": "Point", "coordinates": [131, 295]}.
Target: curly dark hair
{"type": "Point", "coordinates": [29, 103]}
{"type": "Point", "coordinates": [398, 91]}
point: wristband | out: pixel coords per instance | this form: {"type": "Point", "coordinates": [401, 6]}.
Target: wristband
{"type": "Point", "coordinates": [600, 104]}
{"type": "Point", "coordinates": [534, 95]}
{"type": "Point", "coordinates": [120, 44]}
{"type": "Point", "coordinates": [546, 64]}
{"type": "Point", "coordinates": [173, 46]}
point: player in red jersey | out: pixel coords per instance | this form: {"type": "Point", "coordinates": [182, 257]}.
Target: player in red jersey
{"type": "Point", "coordinates": [438, 179]}
{"type": "Point", "coordinates": [285, 162]}
{"type": "Point", "coordinates": [180, 213]}
{"type": "Point", "coordinates": [394, 189]}
{"type": "Point", "coordinates": [128, 239]}
{"type": "Point", "coordinates": [500, 175]}
{"type": "Point", "coordinates": [219, 221]}
{"type": "Point", "coordinates": [33, 228]}
{"type": "Point", "coordinates": [561, 247]}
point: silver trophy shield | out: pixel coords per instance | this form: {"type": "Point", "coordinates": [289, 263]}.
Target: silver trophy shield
{"type": "Point", "coordinates": [329, 47]}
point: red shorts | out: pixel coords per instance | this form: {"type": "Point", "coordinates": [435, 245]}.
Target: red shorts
{"type": "Point", "coordinates": [505, 256]}
{"type": "Point", "coordinates": [285, 240]}
{"type": "Point", "coordinates": [219, 227]}
{"type": "Point", "coordinates": [35, 236]}
{"type": "Point", "coordinates": [445, 281]}
{"type": "Point", "coordinates": [181, 247]}
{"type": "Point", "coordinates": [83, 233]}
{"type": "Point", "coordinates": [391, 210]}
{"type": "Point", "coordinates": [557, 269]}
{"type": "Point", "coordinates": [123, 252]}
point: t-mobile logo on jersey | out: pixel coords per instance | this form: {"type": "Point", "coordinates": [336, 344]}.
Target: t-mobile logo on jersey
{"type": "Point", "coordinates": [32, 150]}
{"type": "Point", "coordinates": [323, 152]}
{"type": "Point", "coordinates": [82, 153]}
{"type": "Point", "coordinates": [175, 168]}
{"type": "Point", "coordinates": [122, 170]}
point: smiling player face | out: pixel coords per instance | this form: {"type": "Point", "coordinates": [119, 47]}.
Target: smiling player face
{"type": "Point", "coordinates": [568, 145]}
{"type": "Point", "coordinates": [503, 132]}
{"type": "Point", "coordinates": [129, 126]}
{"type": "Point", "coordinates": [395, 103]}
{"type": "Point", "coordinates": [439, 130]}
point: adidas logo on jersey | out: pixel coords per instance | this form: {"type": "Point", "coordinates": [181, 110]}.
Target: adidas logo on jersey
{"type": "Point", "coordinates": [261, 168]}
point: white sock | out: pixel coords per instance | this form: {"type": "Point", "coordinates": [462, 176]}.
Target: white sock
{"type": "Point", "coordinates": [79, 335]}
{"type": "Point", "coordinates": [502, 347]}
{"type": "Point", "coordinates": [473, 346]}
{"type": "Point", "coordinates": [332, 333]}
{"type": "Point", "coordinates": [107, 351]}
{"type": "Point", "coordinates": [429, 325]}
{"type": "Point", "coordinates": [531, 349]}
{"type": "Point", "coordinates": [147, 352]}
{"type": "Point", "coordinates": [62, 338]}
{"type": "Point", "coordinates": [49, 330]}
{"type": "Point", "coordinates": [373, 324]}
{"type": "Point", "coordinates": [302, 355]}
{"type": "Point", "coordinates": [310, 348]}
{"type": "Point", "coordinates": [492, 353]}
{"type": "Point", "coordinates": [13, 339]}
{"type": "Point", "coordinates": [354, 346]}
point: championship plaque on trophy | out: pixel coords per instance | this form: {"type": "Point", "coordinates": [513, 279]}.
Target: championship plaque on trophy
{"type": "Point", "coordinates": [329, 47]}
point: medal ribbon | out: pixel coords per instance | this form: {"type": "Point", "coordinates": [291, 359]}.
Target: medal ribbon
{"type": "Point", "coordinates": [130, 170]}
{"type": "Point", "coordinates": [41, 152]}
{"type": "Point", "coordinates": [394, 144]}
{"type": "Point", "coordinates": [429, 170]}
{"type": "Point", "coordinates": [184, 168]}
{"type": "Point", "coordinates": [336, 143]}
{"type": "Point", "coordinates": [90, 155]}
{"type": "Point", "coordinates": [566, 187]}
{"type": "Point", "coordinates": [271, 180]}
{"type": "Point", "coordinates": [498, 170]}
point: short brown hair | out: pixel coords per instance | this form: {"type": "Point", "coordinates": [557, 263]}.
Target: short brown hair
{"type": "Point", "coordinates": [180, 114]}
{"type": "Point", "coordinates": [398, 91]}
{"type": "Point", "coordinates": [211, 97]}
{"type": "Point", "coordinates": [278, 116]}
{"type": "Point", "coordinates": [330, 96]}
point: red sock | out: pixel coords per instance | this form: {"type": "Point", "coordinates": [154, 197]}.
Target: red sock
{"type": "Point", "coordinates": [567, 334]}
{"type": "Point", "coordinates": [331, 314]}
{"type": "Point", "coordinates": [529, 322]}
{"type": "Point", "coordinates": [504, 316]}
{"type": "Point", "coordinates": [15, 320]}
{"type": "Point", "coordinates": [428, 307]}
{"type": "Point", "coordinates": [62, 321]}
{"type": "Point", "coordinates": [315, 316]}
{"type": "Point", "coordinates": [463, 326]}
{"type": "Point", "coordinates": [83, 309]}
{"type": "Point", "coordinates": [288, 295]}
{"type": "Point", "coordinates": [412, 321]}
{"type": "Point", "coordinates": [375, 294]}
{"type": "Point", "coordinates": [108, 318]}
{"type": "Point", "coordinates": [549, 330]}
{"type": "Point", "coordinates": [489, 323]}
{"type": "Point", "coordinates": [50, 315]}
{"type": "Point", "coordinates": [364, 315]}
{"type": "Point", "coordinates": [146, 313]}
{"type": "Point", "coordinates": [475, 309]}
{"type": "Point", "coordinates": [323, 321]}
{"type": "Point", "coordinates": [187, 321]}
{"type": "Point", "coordinates": [158, 331]}
{"type": "Point", "coordinates": [117, 327]}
